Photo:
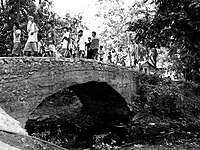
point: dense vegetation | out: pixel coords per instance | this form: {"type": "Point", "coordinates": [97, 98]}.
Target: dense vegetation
{"type": "Point", "coordinates": [18, 11]}
{"type": "Point", "coordinates": [173, 24]}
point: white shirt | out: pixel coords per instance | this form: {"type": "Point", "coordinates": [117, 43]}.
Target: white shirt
{"type": "Point", "coordinates": [65, 42]}
{"type": "Point", "coordinates": [82, 43]}
{"type": "Point", "coordinates": [31, 27]}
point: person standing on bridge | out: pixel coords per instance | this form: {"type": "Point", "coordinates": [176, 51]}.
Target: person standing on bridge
{"type": "Point", "coordinates": [81, 45]}
{"type": "Point", "coordinates": [89, 54]}
{"type": "Point", "coordinates": [31, 44]}
{"type": "Point", "coordinates": [51, 39]}
{"type": "Point", "coordinates": [94, 46]}
{"type": "Point", "coordinates": [101, 53]}
{"type": "Point", "coordinates": [16, 40]}
{"type": "Point", "coordinates": [65, 42]}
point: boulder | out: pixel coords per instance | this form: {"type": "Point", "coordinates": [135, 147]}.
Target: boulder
{"type": "Point", "coordinates": [9, 124]}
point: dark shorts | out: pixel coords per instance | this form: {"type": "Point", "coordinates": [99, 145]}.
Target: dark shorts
{"type": "Point", "coordinates": [94, 52]}
{"type": "Point", "coordinates": [17, 49]}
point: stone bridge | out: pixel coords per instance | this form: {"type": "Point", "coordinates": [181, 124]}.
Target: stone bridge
{"type": "Point", "coordinates": [26, 82]}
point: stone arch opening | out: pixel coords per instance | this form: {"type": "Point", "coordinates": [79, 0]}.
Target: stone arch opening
{"type": "Point", "coordinates": [71, 116]}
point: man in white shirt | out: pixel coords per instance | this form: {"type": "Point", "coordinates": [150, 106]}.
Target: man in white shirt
{"type": "Point", "coordinates": [16, 40]}
{"type": "Point", "coordinates": [31, 44]}
{"type": "Point", "coordinates": [81, 45]}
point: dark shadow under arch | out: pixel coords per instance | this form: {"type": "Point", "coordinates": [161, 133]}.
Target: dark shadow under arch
{"type": "Point", "coordinates": [101, 98]}
{"type": "Point", "coordinates": [79, 111]}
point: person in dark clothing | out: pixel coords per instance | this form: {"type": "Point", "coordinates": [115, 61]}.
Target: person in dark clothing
{"type": "Point", "coordinates": [94, 47]}
{"type": "Point", "coordinates": [101, 53]}
{"type": "Point", "coordinates": [89, 53]}
{"type": "Point", "coordinates": [51, 39]}
{"type": "Point", "coordinates": [109, 57]}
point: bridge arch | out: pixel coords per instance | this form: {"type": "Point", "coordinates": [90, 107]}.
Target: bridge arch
{"type": "Point", "coordinates": [26, 82]}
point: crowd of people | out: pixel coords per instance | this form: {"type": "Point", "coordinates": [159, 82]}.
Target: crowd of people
{"type": "Point", "coordinates": [69, 47]}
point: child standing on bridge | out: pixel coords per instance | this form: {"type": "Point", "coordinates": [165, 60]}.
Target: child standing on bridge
{"type": "Point", "coordinates": [51, 39]}
{"type": "Point", "coordinates": [65, 42]}
{"type": "Point", "coordinates": [16, 40]}
{"type": "Point", "coordinates": [81, 45]}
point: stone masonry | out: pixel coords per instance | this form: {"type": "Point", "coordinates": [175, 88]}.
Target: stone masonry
{"type": "Point", "coordinates": [26, 82]}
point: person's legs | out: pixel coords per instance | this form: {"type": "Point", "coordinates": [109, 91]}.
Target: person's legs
{"type": "Point", "coordinates": [14, 51]}
{"type": "Point", "coordinates": [64, 52]}
{"type": "Point", "coordinates": [89, 54]}
{"type": "Point", "coordinates": [34, 48]}
{"type": "Point", "coordinates": [94, 53]}
{"type": "Point", "coordinates": [78, 53]}
{"type": "Point", "coordinates": [20, 53]}
{"type": "Point", "coordinates": [69, 53]}
{"type": "Point", "coordinates": [85, 54]}
{"type": "Point", "coordinates": [18, 50]}
{"type": "Point", "coordinates": [51, 52]}
{"type": "Point", "coordinates": [81, 53]}
{"type": "Point", "coordinates": [53, 48]}
{"type": "Point", "coordinates": [27, 48]}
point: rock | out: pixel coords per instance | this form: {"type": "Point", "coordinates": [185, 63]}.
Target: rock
{"type": "Point", "coordinates": [4, 146]}
{"type": "Point", "coordinates": [7, 123]}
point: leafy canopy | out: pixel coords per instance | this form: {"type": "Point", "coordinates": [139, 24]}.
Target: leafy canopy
{"type": "Point", "coordinates": [175, 25]}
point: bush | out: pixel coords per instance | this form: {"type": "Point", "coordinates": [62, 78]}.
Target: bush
{"type": "Point", "coordinates": [166, 98]}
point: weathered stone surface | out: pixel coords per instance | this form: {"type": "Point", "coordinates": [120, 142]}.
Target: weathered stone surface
{"type": "Point", "coordinates": [4, 146]}
{"type": "Point", "coordinates": [26, 82]}
{"type": "Point", "coordinates": [9, 124]}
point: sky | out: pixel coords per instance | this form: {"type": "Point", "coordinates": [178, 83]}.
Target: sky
{"type": "Point", "coordinates": [86, 7]}
{"type": "Point", "coordinates": [73, 6]}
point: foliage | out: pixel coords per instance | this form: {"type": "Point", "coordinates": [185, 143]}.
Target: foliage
{"type": "Point", "coordinates": [175, 24]}
{"type": "Point", "coordinates": [18, 11]}
{"type": "Point", "coordinates": [100, 145]}
{"type": "Point", "coordinates": [166, 98]}
{"type": "Point", "coordinates": [115, 15]}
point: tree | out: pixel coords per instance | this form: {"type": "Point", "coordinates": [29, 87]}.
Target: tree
{"type": "Point", "coordinates": [115, 15]}
{"type": "Point", "coordinates": [18, 11]}
{"type": "Point", "coordinates": [174, 25]}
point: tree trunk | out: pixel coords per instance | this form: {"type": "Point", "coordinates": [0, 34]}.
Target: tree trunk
{"type": "Point", "coordinates": [2, 5]}
{"type": "Point", "coordinates": [18, 10]}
